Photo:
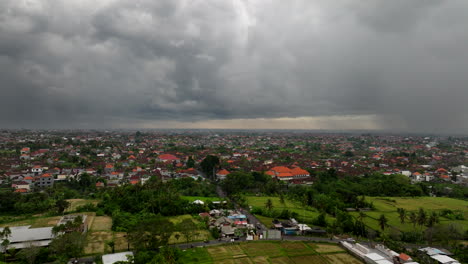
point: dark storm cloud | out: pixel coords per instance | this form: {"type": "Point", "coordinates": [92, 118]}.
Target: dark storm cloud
{"type": "Point", "coordinates": [108, 63]}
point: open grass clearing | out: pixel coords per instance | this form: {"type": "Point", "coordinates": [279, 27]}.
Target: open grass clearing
{"type": "Point", "coordinates": [414, 203]}
{"type": "Point", "coordinates": [266, 221]}
{"type": "Point", "coordinates": [293, 206]}
{"type": "Point", "coordinates": [101, 223]}
{"type": "Point", "coordinates": [388, 206]}
{"type": "Point", "coordinates": [74, 203]}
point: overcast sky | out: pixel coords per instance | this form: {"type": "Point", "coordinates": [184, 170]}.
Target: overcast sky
{"type": "Point", "coordinates": [397, 65]}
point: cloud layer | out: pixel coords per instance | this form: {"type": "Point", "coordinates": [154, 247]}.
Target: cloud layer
{"type": "Point", "coordinates": [82, 63]}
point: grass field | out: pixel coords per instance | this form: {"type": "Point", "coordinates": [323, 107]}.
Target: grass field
{"type": "Point", "coordinates": [268, 252]}
{"type": "Point", "coordinates": [74, 203]}
{"type": "Point", "coordinates": [260, 201]}
{"type": "Point", "coordinates": [388, 206]}
{"type": "Point", "coordinates": [265, 220]}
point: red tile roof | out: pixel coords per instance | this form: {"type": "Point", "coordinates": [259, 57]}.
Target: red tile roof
{"type": "Point", "coordinates": [281, 169]}
{"type": "Point", "coordinates": [167, 157]}
{"type": "Point", "coordinates": [223, 172]}
{"type": "Point", "coordinates": [285, 174]}
{"type": "Point", "coordinates": [299, 171]}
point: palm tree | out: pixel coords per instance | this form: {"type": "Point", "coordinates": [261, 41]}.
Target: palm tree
{"type": "Point", "coordinates": [281, 197]}
{"type": "Point", "coordinates": [269, 205]}
{"type": "Point", "coordinates": [433, 219]}
{"type": "Point", "coordinates": [383, 222]}
{"type": "Point", "coordinates": [361, 215]}
{"type": "Point", "coordinates": [413, 218]}
{"type": "Point", "coordinates": [111, 244]}
{"type": "Point", "coordinates": [402, 214]}
{"type": "Point", "coordinates": [422, 217]}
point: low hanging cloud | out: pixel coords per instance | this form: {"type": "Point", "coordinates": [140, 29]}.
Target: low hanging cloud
{"type": "Point", "coordinates": [82, 63]}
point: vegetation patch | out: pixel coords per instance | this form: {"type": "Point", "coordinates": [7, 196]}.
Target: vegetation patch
{"type": "Point", "coordinates": [201, 198]}
{"type": "Point", "coordinates": [260, 260]}
{"type": "Point", "coordinates": [75, 203]}
{"type": "Point", "coordinates": [35, 222]}
{"type": "Point", "coordinates": [313, 259]}
{"type": "Point", "coordinates": [96, 242]}
{"type": "Point", "coordinates": [326, 248]}
{"type": "Point", "coordinates": [296, 248]}
{"type": "Point", "coordinates": [196, 256]}
{"type": "Point", "coordinates": [219, 252]}
{"type": "Point", "coordinates": [342, 258]}
{"type": "Point", "coordinates": [262, 249]}
{"type": "Point", "coordinates": [102, 223]}
{"type": "Point", "coordinates": [121, 242]}
{"type": "Point", "coordinates": [281, 260]}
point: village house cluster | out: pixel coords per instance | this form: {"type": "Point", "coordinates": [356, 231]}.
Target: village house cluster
{"type": "Point", "coordinates": [36, 160]}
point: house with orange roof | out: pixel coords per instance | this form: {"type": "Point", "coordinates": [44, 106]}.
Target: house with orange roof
{"type": "Point", "coordinates": [221, 175]}
{"type": "Point", "coordinates": [25, 150]}
{"type": "Point", "coordinates": [21, 185]}
{"type": "Point", "coordinates": [168, 157]}
{"type": "Point", "coordinates": [25, 157]}
{"type": "Point", "coordinates": [109, 168]}
{"type": "Point", "coordinates": [299, 173]}
{"type": "Point", "coordinates": [22, 190]}
{"type": "Point", "coordinates": [45, 180]}
{"type": "Point", "coordinates": [284, 176]}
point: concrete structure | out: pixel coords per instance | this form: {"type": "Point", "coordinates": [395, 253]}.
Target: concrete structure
{"type": "Point", "coordinates": [24, 237]}
{"type": "Point", "coordinates": [113, 258]}
{"type": "Point", "coordinates": [378, 255]}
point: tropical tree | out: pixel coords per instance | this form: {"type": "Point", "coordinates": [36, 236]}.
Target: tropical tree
{"type": "Point", "coordinates": [188, 228]}
{"type": "Point", "coordinates": [4, 235]}
{"type": "Point", "coordinates": [431, 221]}
{"type": "Point", "coordinates": [68, 244]}
{"type": "Point", "coordinates": [29, 254]}
{"type": "Point", "coordinates": [413, 218]}
{"type": "Point", "coordinates": [111, 244]}
{"type": "Point", "coordinates": [61, 205]}
{"type": "Point", "coordinates": [422, 217]}
{"type": "Point", "coordinates": [151, 233]}
{"type": "Point", "coordinates": [269, 205]}
{"type": "Point", "coordinates": [383, 222]}
{"type": "Point", "coordinates": [402, 214]}
{"type": "Point", "coordinates": [209, 164]}
{"type": "Point", "coordinates": [361, 215]}
{"type": "Point", "coordinates": [281, 199]}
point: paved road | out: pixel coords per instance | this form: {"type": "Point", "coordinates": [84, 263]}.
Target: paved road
{"type": "Point", "coordinates": [227, 241]}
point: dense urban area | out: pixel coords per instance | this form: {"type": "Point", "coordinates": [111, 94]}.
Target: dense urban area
{"type": "Point", "coordinates": [200, 196]}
